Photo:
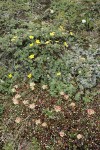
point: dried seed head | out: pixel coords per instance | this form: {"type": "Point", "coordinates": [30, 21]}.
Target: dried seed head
{"type": "Point", "coordinates": [32, 106]}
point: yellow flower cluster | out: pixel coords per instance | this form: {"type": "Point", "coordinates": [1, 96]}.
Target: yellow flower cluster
{"type": "Point", "coordinates": [71, 33]}
{"type": "Point", "coordinates": [58, 74]}
{"type": "Point", "coordinates": [29, 75]}
{"type": "Point", "coordinates": [37, 41]}
{"type": "Point", "coordinates": [31, 44]}
{"type": "Point", "coordinates": [47, 42]}
{"type": "Point", "coordinates": [52, 33]}
{"type": "Point", "coordinates": [31, 37]}
{"type": "Point", "coordinates": [65, 44]}
{"type": "Point", "coordinates": [31, 56]}
{"type": "Point", "coordinates": [10, 75]}
{"type": "Point", "coordinates": [14, 38]}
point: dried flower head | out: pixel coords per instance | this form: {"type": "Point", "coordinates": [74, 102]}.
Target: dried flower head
{"type": "Point", "coordinates": [32, 106]}
{"type": "Point", "coordinates": [72, 104]}
{"type": "Point", "coordinates": [57, 108]}
{"type": "Point", "coordinates": [16, 86]}
{"type": "Point", "coordinates": [66, 96]}
{"type": "Point", "coordinates": [32, 84]}
{"type": "Point", "coordinates": [33, 120]}
{"type": "Point", "coordinates": [61, 133]}
{"type": "Point", "coordinates": [25, 102]}
{"type": "Point", "coordinates": [17, 96]}
{"type": "Point", "coordinates": [79, 136]}
{"type": "Point", "coordinates": [38, 121]}
{"type": "Point", "coordinates": [62, 93]}
{"type": "Point", "coordinates": [90, 111]}
{"type": "Point", "coordinates": [44, 124]}
{"type": "Point", "coordinates": [13, 90]}
{"type": "Point", "coordinates": [32, 88]}
{"type": "Point", "coordinates": [44, 87]}
{"type": "Point", "coordinates": [15, 101]}
{"type": "Point", "coordinates": [18, 120]}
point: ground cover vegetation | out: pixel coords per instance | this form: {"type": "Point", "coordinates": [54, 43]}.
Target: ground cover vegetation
{"type": "Point", "coordinates": [49, 74]}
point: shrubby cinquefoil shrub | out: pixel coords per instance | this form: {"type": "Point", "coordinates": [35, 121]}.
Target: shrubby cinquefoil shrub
{"type": "Point", "coordinates": [48, 54]}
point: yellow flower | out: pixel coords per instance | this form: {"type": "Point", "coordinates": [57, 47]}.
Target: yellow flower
{"type": "Point", "coordinates": [58, 73]}
{"type": "Point", "coordinates": [31, 56]}
{"type": "Point", "coordinates": [31, 37]}
{"type": "Point", "coordinates": [31, 44]}
{"type": "Point", "coordinates": [71, 33]}
{"type": "Point", "coordinates": [47, 42]}
{"type": "Point", "coordinates": [15, 37]}
{"type": "Point", "coordinates": [65, 44]}
{"type": "Point", "coordinates": [37, 41]}
{"type": "Point", "coordinates": [29, 75]}
{"type": "Point", "coordinates": [12, 40]}
{"type": "Point", "coordinates": [52, 33]}
{"type": "Point", "coordinates": [57, 41]}
{"type": "Point", "coordinates": [61, 28]}
{"type": "Point", "coordinates": [10, 75]}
